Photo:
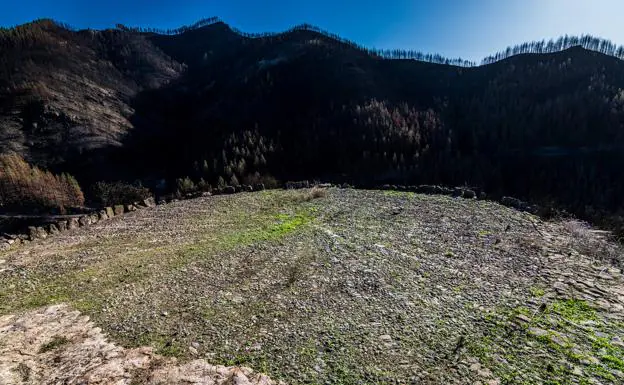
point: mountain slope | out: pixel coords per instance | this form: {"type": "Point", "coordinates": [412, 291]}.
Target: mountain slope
{"type": "Point", "coordinates": [210, 103]}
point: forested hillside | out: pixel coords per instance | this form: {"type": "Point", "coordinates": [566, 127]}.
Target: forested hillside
{"type": "Point", "coordinates": [541, 121]}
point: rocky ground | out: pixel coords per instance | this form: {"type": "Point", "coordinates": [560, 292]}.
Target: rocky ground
{"type": "Point", "coordinates": [352, 287]}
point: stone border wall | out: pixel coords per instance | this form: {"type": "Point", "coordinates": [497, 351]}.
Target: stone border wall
{"type": "Point", "coordinates": [9, 241]}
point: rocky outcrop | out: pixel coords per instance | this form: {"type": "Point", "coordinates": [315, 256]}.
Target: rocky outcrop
{"type": "Point", "coordinates": [57, 345]}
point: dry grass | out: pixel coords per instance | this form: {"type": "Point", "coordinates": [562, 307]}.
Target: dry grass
{"type": "Point", "coordinates": [594, 243]}
{"type": "Point", "coordinates": [307, 195]}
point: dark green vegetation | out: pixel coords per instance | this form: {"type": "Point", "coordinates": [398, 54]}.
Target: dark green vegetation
{"type": "Point", "coordinates": [217, 106]}
{"type": "Point", "coordinates": [346, 287]}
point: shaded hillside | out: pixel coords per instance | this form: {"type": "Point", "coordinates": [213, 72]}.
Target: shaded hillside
{"type": "Point", "coordinates": [213, 104]}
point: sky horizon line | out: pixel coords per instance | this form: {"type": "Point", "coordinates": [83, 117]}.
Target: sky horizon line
{"type": "Point", "coordinates": [236, 29]}
{"type": "Point", "coordinates": [468, 29]}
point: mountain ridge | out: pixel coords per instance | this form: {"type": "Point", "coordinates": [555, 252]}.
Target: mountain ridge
{"type": "Point", "coordinates": [214, 105]}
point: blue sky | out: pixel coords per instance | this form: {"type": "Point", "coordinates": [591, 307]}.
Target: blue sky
{"type": "Point", "coordinates": [470, 29]}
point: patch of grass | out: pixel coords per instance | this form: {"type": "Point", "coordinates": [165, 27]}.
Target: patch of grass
{"type": "Point", "coordinates": [537, 291]}
{"type": "Point", "coordinates": [575, 310]}
{"type": "Point", "coordinates": [600, 371]}
{"type": "Point", "coordinates": [613, 362]}
{"type": "Point", "coordinates": [55, 343]}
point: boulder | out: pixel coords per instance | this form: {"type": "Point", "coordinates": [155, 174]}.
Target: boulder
{"type": "Point", "coordinates": [149, 202]}
{"type": "Point", "coordinates": [119, 209]}
{"type": "Point", "coordinates": [511, 202]}
{"type": "Point", "coordinates": [247, 188]}
{"type": "Point", "coordinates": [62, 225]}
{"type": "Point", "coordinates": [164, 202]}
{"type": "Point", "coordinates": [103, 215]}
{"type": "Point", "coordinates": [238, 188]}
{"type": "Point", "coordinates": [469, 194]}
{"type": "Point", "coordinates": [84, 220]}
{"type": "Point", "coordinates": [109, 212]}
{"type": "Point", "coordinates": [206, 194]}
{"type": "Point", "coordinates": [229, 190]}
{"type": "Point", "coordinates": [258, 187]}
{"type": "Point", "coordinates": [445, 191]}
{"type": "Point", "coordinates": [52, 229]}
{"type": "Point", "coordinates": [35, 233]}
{"type": "Point", "coordinates": [297, 185]}
{"type": "Point", "coordinates": [130, 208]}
{"type": "Point", "coordinates": [72, 223]}
{"type": "Point", "coordinates": [95, 218]}
{"type": "Point", "coordinates": [458, 192]}
{"type": "Point", "coordinates": [482, 195]}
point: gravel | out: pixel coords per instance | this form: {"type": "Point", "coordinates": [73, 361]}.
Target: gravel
{"type": "Point", "coordinates": [353, 287]}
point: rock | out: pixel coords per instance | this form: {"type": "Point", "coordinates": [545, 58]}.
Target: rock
{"type": "Point", "coordinates": [95, 218]}
{"type": "Point", "coordinates": [523, 318]}
{"type": "Point", "coordinates": [385, 338]}
{"type": "Point", "coordinates": [119, 209]}
{"type": "Point", "coordinates": [482, 196]}
{"type": "Point", "coordinates": [458, 192]}
{"type": "Point", "coordinates": [72, 223]}
{"type": "Point", "coordinates": [110, 212]}
{"type": "Point", "coordinates": [258, 187]}
{"type": "Point", "coordinates": [511, 202]}
{"type": "Point", "coordinates": [103, 215]}
{"type": "Point", "coordinates": [130, 208]}
{"type": "Point", "coordinates": [560, 286]}
{"type": "Point", "coordinates": [469, 194]}
{"type": "Point", "coordinates": [4, 246]}
{"type": "Point", "coordinates": [62, 225]}
{"type": "Point", "coordinates": [149, 202]}
{"type": "Point", "coordinates": [52, 229]}
{"type": "Point", "coordinates": [247, 188]}
{"type": "Point", "coordinates": [229, 190]}
{"type": "Point", "coordinates": [84, 220]}
{"type": "Point", "coordinates": [206, 194]}
{"type": "Point", "coordinates": [193, 351]}
{"type": "Point", "coordinates": [35, 233]}
{"type": "Point", "coordinates": [297, 185]}
{"type": "Point", "coordinates": [537, 332]}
